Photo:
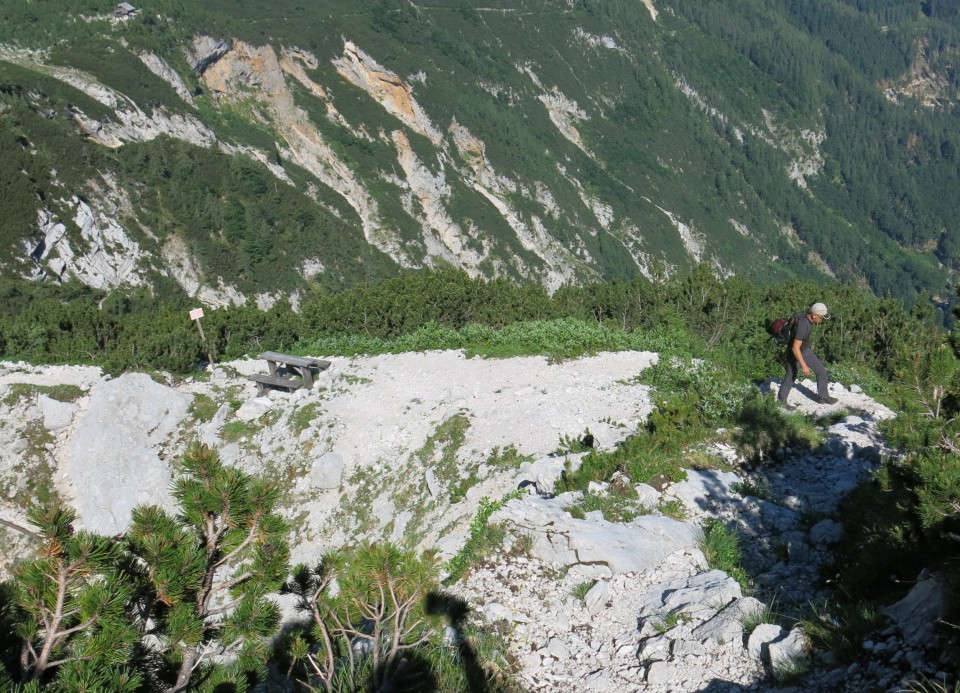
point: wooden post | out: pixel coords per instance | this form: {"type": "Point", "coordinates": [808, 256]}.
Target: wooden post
{"type": "Point", "coordinates": [195, 315]}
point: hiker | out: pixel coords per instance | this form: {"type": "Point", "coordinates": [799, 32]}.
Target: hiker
{"type": "Point", "coordinates": [800, 355]}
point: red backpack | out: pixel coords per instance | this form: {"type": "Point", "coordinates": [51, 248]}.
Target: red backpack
{"type": "Point", "coordinates": [782, 329]}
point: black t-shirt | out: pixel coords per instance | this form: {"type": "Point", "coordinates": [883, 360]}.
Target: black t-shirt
{"type": "Point", "coordinates": [803, 331]}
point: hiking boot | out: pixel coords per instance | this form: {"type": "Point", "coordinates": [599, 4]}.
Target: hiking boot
{"type": "Point", "coordinates": [785, 406]}
{"type": "Point", "coordinates": [828, 400]}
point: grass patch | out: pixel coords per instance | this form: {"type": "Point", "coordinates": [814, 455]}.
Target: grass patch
{"type": "Point", "coordinates": [840, 627]}
{"type": "Point", "coordinates": [762, 427]}
{"type": "Point", "coordinates": [674, 509]}
{"type": "Point", "coordinates": [507, 458]}
{"type": "Point", "coordinates": [757, 617]}
{"type": "Point", "coordinates": [354, 510]}
{"type": "Point", "coordinates": [32, 474]}
{"type": "Point", "coordinates": [754, 489]}
{"type": "Point", "coordinates": [721, 547]}
{"type": "Point", "coordinates": [61, 393]}
{"type": "Point", "coordinates": [668, 621]}
{"type": "Point", "coordinates": [641, 457]}
{"type": "Point", "coordinates": [203, 407]}
{"type": "Point", "coordinates": [523, 545]}
{"type": "Point", "coordinates": [439, 453]}
{"type": "Point", "coordinates": [616, 507]}
{"type": "Point", "coordinates": [483, 538]}
{"type": "Point", "coordinates": [702, 460]}
{"type": "Point", "coordinates": [234, 431]}
{"type": "Point", "coordinates": [790, 670]}
{"type": "Point", "coordinates": [301, 417]}
{"type": "Point", "coordinates": [571, 445]}
{"type": "Point", "coordinates": [928, 686]}
{"type": "Point", "coordinates": [351, 379]}
{"type": "Point", "coordinates": [580, 590]}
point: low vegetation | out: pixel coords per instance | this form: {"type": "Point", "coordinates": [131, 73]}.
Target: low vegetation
{"type": "Point", "coordinates": [181, 602]}
{"type": "Point", "coordinates": [720, 545]}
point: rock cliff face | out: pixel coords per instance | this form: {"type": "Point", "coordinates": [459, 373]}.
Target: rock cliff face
{"type": "Point", "coordinates": [102, 255]}
{"type": "Point", "coordinates": [406, 447]}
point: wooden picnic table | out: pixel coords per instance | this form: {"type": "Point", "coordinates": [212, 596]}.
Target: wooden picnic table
{"type": "Point", "coordinates": [283, 366]}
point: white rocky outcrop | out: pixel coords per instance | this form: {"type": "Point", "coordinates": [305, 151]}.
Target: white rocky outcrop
{"type": "Point", "coordinates": [133, 124]}
{"type": "Point", "coordinates": [106, 256]}
{"type": "Point", "coordinates": [161, 69]}
{"type": "Point", "coordinates": [595, 545]}
{"type": "Point", "coordinates": [241, 72]}
{"type": "Point", "coordinates": [118, 454]}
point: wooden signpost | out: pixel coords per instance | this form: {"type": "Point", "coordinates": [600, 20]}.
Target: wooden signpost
{"type": "Point", "coordinates": [195, 315]}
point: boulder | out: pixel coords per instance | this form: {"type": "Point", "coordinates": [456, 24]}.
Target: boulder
{"type": "Point", "coordinates": [564, 540]}
{"type": "Point", "coordinates": [596, 597]}
{"type": "Point", "coordinates": [56, 414]}
{"type": "Point", "coordinates": [707, 591]}
{"type": "Point", "coordinates": [917, 614]}
{"type": "Point", "coordinates": [327, 471]}
{"type": "Point", "coordinates": [788, 650]}
{"type": "Point", "coordinates": [726, 628]}
{"type": "Point", "coordinates": [253, 409]}
{"type": "Point", "coordinates": [758, 644]}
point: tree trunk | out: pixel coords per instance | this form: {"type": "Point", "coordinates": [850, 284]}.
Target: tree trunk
{"type": "Point", "coordinates": [186, 670]}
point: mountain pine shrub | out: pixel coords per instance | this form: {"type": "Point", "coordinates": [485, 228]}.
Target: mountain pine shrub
{"type": "Point", "coordinates": [206, 573]}
{"type": "Point", "coordinates": [71, 609]}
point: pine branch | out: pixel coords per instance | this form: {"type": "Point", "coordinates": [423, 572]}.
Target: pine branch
{"type": "Point", "coordinates": [254, 530]}
{"type": "Point", "coordinates": [223, 609]}
{"type": "Point", "coordinates": [21, 529]}
{"type": "Point", "coordinates": [231, 583]}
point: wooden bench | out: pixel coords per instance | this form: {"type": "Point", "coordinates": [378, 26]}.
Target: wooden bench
{"type": "Point", "coordinates": [283, 366]}
{"type": "Point", "coordinates": [267, 381]}
{"type": "Point", "coordinates": [302, 365]}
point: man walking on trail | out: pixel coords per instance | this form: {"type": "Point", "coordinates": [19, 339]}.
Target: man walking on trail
{"type": "Point", "coordinates": [800, 357]}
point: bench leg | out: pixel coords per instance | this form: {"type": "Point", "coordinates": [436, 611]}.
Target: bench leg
{"type": "Point", "coordinates": [307, 377]}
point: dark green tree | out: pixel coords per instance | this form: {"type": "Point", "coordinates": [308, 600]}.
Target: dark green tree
{"type": "Point", "coordinates": [72, 601]}
{"type": "Point", "coordinates": [210, 570]}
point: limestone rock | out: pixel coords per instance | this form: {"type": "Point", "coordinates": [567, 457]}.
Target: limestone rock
{"type": "Point", "coordinates": [712, 590]}
{"type": "Point", "coordinates": [115, 463]}
{"type": "Point", "coordinates": [327, 471]}
{"type": "Point", "coordinates": [759, 641]}
{"type": "Point", "coordinates": [918, 613]}
{"type": "Point", "coordinates": [564, 540]}
{"type": "Point", "coordinates": [56, 414]}
{"type": "Point", "coordinates": [726, 628]}
{"type": "Point", "coordinates": [596, 597]}
{"type": "Point", "coordinates": [253, 409]}
{"type": "Point", "coordinates": [788, 650]}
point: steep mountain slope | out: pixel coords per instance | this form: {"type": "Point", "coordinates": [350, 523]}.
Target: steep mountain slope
{"type": "Point", "coordinates": [233, 151]}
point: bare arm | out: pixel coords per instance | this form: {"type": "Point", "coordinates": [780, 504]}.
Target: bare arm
{"type": "Point", "coordinates": [795, 350]}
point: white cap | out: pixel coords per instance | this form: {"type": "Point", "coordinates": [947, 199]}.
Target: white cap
{"type": "Point", "coordinates": [821, 310]}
